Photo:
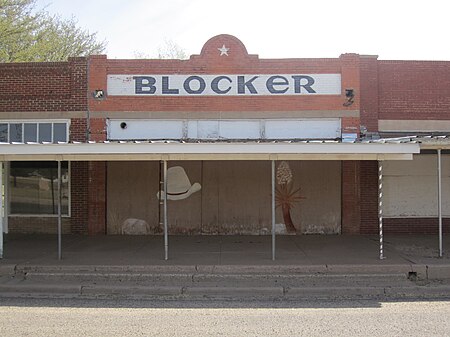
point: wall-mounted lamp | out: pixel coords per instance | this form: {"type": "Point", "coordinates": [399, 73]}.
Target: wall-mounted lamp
{"type": "Point", "coordinates": [99, 94]}
{"type": "Point", "coordinates": [123, 125]}
{"type": "Point", "coordinates": [350, 96]}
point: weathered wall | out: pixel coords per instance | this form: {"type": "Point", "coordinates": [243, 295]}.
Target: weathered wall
{"type": "Point", "coordinates": [410, 187]}
{"type": "Point", "coordinates": [235, 197]}
{"type": "Point", "coordinates": [35, 224]}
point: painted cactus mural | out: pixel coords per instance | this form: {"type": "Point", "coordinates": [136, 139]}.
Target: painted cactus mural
{"type": "Point", "coordinates": [286, 195]}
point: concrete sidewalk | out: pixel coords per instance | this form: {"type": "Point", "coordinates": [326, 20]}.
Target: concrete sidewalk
{"type": "Point", "coordinates": [306, 250]}
{"type": "Point", "coordinates": [224, 266]}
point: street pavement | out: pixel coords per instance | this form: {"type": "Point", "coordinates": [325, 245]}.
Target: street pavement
{"type": "Point", "coordinates": [37, 317]}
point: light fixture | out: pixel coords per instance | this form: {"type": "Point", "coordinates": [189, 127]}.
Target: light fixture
{"type": "Point", "coordinates": [99, 94]}
{"type": "Point", "coordinates": [350, 96]}
{"type": "Point", "coordinates": [123, 125]}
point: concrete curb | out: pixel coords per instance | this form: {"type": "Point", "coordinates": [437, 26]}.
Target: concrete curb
{"type": "Point", "coordinates": [234, 291]}
{"type": "Point", "coordinates": [434, 271]}
{"type": "Point", "coordinates": [7, 269]}
{"type": "Point", "coordinates": [161, 292]}
{"type": "Point", "coordinates": [103, 290]}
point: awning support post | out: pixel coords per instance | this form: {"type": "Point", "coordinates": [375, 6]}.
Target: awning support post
{"type": "Point", "coordinates": [380, 206]}
{"type": "Point", "coordinates": [440, 200]}
{"type": "Point", "coordinates": [273, 210]}
{"type": "Point", "coordinates": [59, 212]}
{"type": "Point", "coordinates": [1, 210]}
{"type": "Point", "coordinates": [166, 236]}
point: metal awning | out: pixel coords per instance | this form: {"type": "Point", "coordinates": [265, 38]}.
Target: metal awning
{"type": "Point", "coordinates": [170, 150]}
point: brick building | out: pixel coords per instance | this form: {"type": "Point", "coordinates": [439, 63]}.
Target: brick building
{"type": "Point", "coordinates": [219, 120]}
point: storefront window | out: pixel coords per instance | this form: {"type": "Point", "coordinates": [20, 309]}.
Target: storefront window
{"type": "Point", "coordinates": [50, 132]}
{"type": "Point", "coordinates": [34, 188]}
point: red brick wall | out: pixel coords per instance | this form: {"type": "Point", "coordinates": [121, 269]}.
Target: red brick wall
{"type": "Point", "coordinates": [97, 198]}
{"type": "Point", "coordinates": [369, 210]}
{"type": "Point", "coordinates": [50, 86]}
{"type": "Point", "coordinates": [369, 93]}
{"type": "Point", "coordinates": [45, 87]}
{"type": "Point", "coordinates": [34, 224]}
{"type": "Point", "coordinates": [209, 62]}
{"type": "Point", "coordinates": [79, 197]}
{"type": "Point", "coordinates": [78, 129]}
{"type": "Point", "coordinates": [369, 197]}
{"type": "Point", "coordinates": [415, 225]}
{"type": "Point", "coordinates": [351, 216]}
{"type": "Point", "coordinates": [414, 90]}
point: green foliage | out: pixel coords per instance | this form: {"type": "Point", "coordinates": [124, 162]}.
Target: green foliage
{"type": "Point", "coordinates": [30, 35]}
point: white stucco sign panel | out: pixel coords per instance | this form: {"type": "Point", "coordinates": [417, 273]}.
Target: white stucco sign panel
{"type": "Point", "coordinates": [224, 85]}
{"type": "Point", "coordinates": [141, 129]}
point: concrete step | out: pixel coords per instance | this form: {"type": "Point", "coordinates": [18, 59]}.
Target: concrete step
{"type": "Point", "coordinates": [168, 281]}
{"type": "Point", "coordinates": [349, 269]}
{"type": "Point", "coordinates": [182, 279]}
{"type": "Point", "coordinates": [69, 290]}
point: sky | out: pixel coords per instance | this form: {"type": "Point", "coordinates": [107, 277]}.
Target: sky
{"type": "Point", "coordinates": [391, 29]}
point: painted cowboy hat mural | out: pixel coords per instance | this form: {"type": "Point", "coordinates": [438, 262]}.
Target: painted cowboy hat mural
{"type": "Point", "coordinates": [178, 184]}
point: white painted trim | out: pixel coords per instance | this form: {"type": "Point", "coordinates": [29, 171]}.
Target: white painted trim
{"type": "Point", "coordinates": [410, 125]}
{"type": "Point", "coordinates": [207, 151]}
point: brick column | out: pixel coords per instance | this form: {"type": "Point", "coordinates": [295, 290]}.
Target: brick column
{"type": "Point", "coordinates": [350, 75]}
{"type": "Point", "coordinates": [97, 198]}
{"type": "Point", "coordinates": [351, 212]}
{"type": "Point", "coordinates": [369, 197]}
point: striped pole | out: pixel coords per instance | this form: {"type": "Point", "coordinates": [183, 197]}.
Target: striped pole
{"type": "Point", "coordinates": [380, 206]}
{"type": "Point", "coordinates": [439, 173]}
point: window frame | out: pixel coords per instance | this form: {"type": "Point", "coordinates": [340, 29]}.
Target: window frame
{"type": "Point", "coordinates": [41, 215]}
{"type": "Point", "coordinates": [37, 122]}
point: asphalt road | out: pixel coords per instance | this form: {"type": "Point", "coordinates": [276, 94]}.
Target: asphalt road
{"type": "Point", "coordinates": [31, 317]}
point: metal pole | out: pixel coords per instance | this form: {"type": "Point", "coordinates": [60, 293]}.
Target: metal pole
{"type": "Point", "coordinates": [273, 210]}
{"type": "Point", "coordinates": [1, 210]}
{"type": "Point", "coordinates": [59, 211]}
{"type": "Point", "coordinates": [440, 201]}
{"type": "Point", "coordinates": [380, 206]}
{"type": "Point", "coordinates": [6, 196]}
{"type": "Point", "coordinates": [166, 236]}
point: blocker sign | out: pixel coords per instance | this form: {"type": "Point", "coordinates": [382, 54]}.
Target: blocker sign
{"type": "Point", "coordinates": [231, 85]}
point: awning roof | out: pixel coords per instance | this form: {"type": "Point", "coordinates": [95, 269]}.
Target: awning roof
{"type": "Point", "coordinates": [174, 150]}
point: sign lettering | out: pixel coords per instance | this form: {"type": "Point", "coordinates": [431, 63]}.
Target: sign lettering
{"type": "Point", "coordinates": [230, 85]}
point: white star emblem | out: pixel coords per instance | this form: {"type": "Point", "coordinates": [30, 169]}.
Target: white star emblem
{"type": "Point", "coordinates": [224, 50]}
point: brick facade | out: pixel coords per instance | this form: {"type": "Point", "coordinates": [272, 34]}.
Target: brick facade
{"type": "Point", "coordinates": [51, 90]}
{"type": "Point", "coordinates": [384, 90]}
{"type": "Point", "coordinates": [414, 90]}
{"type": "Point", "coordinates": [39, 87]}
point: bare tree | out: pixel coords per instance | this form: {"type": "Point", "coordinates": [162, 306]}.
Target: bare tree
{"type": "Point", "coordinates": [168, 50]}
